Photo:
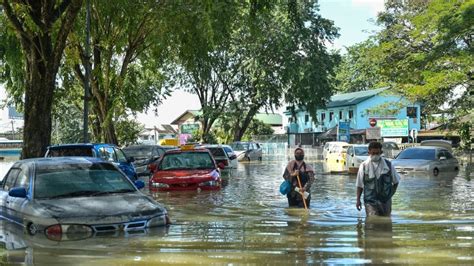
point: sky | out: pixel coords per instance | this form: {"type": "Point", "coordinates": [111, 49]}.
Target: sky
{"type": "Point", "coordinates": [352, 17]}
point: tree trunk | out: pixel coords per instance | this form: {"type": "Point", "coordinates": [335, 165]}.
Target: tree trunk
{"type": "Point", "coordinates": [240, 129]}
{"type": "Point", "coordinates": [38, 105]}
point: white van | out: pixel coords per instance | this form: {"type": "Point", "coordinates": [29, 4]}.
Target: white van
{"type": "Point", "coordinates": [327, 147]}
{"type": "Point", "coordinates": [335, 159]}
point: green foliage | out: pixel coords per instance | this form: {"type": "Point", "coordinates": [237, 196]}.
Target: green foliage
{"type": "Point", "coordinates": [128, 131]}
{"type": "Point", "coordinates": [465, 129]}
{"type": "Point", "coordinates": [257, 128]}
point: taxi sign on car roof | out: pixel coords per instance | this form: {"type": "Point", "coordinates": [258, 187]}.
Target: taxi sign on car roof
{"type": "Point", "coordinates": [187, 147]}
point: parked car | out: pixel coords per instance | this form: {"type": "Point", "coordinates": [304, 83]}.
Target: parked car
{"type": "Point", "coordinates": [390, 149]}
{"type": "Point", "coordinates": [329, 145]}
{"type": "Point", "coordinates": [186, 169]}
{"type": "Point", "coordinates": [143, 155]}
{"type": "Point", "coordinates": [222, 154]}
{"type": "Point", "coordinates": [247, 151]}
{"type": "Point", "coordinates": [107, 152]}
{"type": "Point", "coordinates": [356, 154]}
{"type": "Point", "coordinates": [336, 158]}
{"type": "Point", "coordinates": [69, 196]}
{"type": "Point", "coordinates": [428, 159]}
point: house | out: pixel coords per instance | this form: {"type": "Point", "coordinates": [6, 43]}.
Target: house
{"type": "Point", "coordinates": [154, 134]}
{"type": "Point", "coordinates": [10, 120]}
{"type": "Point", "coordinates": [395, 114]}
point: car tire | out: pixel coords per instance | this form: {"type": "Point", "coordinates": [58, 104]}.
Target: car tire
{"type": "Point", "coordinates": [435, 172]}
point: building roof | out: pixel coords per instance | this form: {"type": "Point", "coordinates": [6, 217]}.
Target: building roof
{"type": "Point", "coordinates": [270, 119]}
{"type": "Point", "coordinates": [353, 98]}
{"type": "Point", "coordinates": [185, 116]}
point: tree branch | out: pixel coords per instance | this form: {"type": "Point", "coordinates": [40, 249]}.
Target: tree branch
{"type": "Point", "coordinates": [57, 12]}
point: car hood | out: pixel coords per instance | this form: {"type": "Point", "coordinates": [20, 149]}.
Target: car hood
{"type": "Point", "coordinates": [186, 176]}
{"type": "Point", "coordinates": [109, 208]}
{"type": "Point", "coordinates": [410, 163]}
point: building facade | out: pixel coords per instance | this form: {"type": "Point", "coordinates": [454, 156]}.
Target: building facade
{"type": "Point", "coordinates": [358, 109]}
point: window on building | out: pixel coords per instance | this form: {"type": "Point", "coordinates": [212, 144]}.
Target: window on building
{"type": "Point", "coordinates": [306, 118]}
{"type": "Point", "coordinates": [411, 112]}
{"type": "Point", "coordinates": [331, 116]}
{"type": "Point", "coordinates": [340, 115]}
{"type": "Point", "coordinates": [351, 114]}
{"type": "Point", "coordinates": [290, 120]}
{"type": "Point", "coordinates": [323, 117]}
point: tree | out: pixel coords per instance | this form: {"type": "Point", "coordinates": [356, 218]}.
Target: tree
{"type": "Point", "coordinates": [42, 29]}
{"type": "Point", "coordinates": [360, 68]}
{"type": "Point", "coordinates": [427, 51]}
{"type": "Point", "coordinates": [257, 128]}
{"type": "Point", "coordinates": [127, 52]}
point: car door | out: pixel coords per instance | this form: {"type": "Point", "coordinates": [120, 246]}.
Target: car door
{"type": "Point", "coordinates": [253, 151]}
{"type": "Point", "coordinates": [7, 184]}
{"type": "Point", "coordinates": [15, 204]}
{"type": "Point", "coordinates": [442, 160]}
{"type": "Point", "coordinates": [453, 164]}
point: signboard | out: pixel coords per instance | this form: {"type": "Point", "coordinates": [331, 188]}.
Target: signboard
{"type": "Point", "coordinates": [344, 131]}
{"type": "Point", "coordinates": [189, 128]}
{"type": "Point", "coordinates": [373, 133]}
{"type": "Point", "coordinates": [394, 128]}
{"type": "Point", "coordinates": [373, 122]}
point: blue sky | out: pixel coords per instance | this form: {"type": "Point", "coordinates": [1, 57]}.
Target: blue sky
{"type": "Point", "coordinates": [352, 17]}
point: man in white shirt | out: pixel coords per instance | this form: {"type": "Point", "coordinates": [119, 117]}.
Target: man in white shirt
{"type": "Point", "coordinates": [378, 179]}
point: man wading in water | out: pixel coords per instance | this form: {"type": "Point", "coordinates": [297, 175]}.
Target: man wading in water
{"type": "Point", "coordinates": [305, 172]}
{"type": "Point", "coordinates": [378, 179]}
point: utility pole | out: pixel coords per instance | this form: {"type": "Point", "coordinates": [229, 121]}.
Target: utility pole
{"type": "Point", "coordinates": [88, 73]}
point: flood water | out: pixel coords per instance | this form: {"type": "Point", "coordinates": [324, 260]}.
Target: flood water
{"type": "Point", "coordinates": [249, 222]}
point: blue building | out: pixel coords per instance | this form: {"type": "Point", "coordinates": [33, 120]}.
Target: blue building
{"type": "Point", "coordinates": [359, 109]}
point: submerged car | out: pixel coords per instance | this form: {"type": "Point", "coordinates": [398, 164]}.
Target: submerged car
{"type": "Point", "coordinates": [143, 155]}
{"type": "Point", "coordinates": [186, 169]}
{"type": "Point", "coordinates": [222, 154]}
{"type": "Point", "coordinates": [335, 160]}
{"type": "Point", "coordinates": [107, 152]}
{"type": "Point", "coordinates": [356, 154]}
{"type": "Point", "coordinates": [390, 149]}
{"type": "Point", "coordinates": [247, 151]}
{"type": "Point", "coordinates": [73, 197]}
{"type": "Point", "coordinates": [328, 146]}
{"type": "Point", "coordinates": [431, 160]}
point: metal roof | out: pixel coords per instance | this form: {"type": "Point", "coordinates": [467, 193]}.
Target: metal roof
{"type": "Point", "coordinates": [353, 98]}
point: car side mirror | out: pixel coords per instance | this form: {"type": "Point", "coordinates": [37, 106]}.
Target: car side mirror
{"type": "Point", "coordinates": [233, 157]}
{"type": "Point", "coordinates": [442, 158]}
{"type": "Point", "coordinates": [17, 192]}
{"type": "Point", "coordinates": [152, 167]}
{"type": "Point", "coordinates": [131, 159]}
{"type": "Point", "coordinates": [221, 165]}
{"type": "Point", "coordinates": [139, 184]}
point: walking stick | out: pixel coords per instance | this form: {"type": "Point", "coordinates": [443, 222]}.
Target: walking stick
{"type": "Point", "coordinates": [301, 191]}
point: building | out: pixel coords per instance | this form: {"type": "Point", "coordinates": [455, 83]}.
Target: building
{"type": "Point", "coordinates": [153, 134]}
{"type": "Point", "coordinates": [10, 120]}
{"type": "Point", "coordinates": [396, 115]}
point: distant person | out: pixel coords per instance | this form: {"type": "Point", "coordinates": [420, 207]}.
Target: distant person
{"type": "Point", "coordinates": [295, 168]}
{"type": "Point", "coordinates": [378, 179]}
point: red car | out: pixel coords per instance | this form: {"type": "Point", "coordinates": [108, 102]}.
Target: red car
{"type": "Point", "coordinates": [186, 169]}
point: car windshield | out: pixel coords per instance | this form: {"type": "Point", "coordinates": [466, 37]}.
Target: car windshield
{"type": "Point", "coordinates": [240, 146]}
{"type": "Point", "coordinates": [81, 179]}
{"type": "Point", "coordinates": [139, 151]}
{"type": "Point", "coordinates": [70, 151]}
{"type": "Point", "coordinates": [217, 152]}
{"type": "Point", "coordinates": [361, 151]}
{"type": "Point", "coordinates": [421, 154]}
{"type": "Point", "coordinates": [187, 160]}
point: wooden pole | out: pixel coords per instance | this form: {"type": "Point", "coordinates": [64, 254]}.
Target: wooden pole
{"type": "Point", "coordinates": [301, 191]}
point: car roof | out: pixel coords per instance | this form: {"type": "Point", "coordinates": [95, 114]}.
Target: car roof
{"type": "Point", "coordinates": [79, 145]}
{"type": "Point", "coordinates": [141, 146]}
{"type": "Point", "coordinates": [62, 160]}
{"type": "Point", "coordinates": [359, 145]}
{"type": "Point", "coordinates": [175, 151]}
{"type": "Point", "coordinates": [427, 148]}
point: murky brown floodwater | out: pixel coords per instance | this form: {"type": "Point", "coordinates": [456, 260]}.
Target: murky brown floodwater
{"type": "Point", "coordinates": [248, 222]}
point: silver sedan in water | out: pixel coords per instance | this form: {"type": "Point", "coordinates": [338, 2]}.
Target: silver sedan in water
{"type": "Point", "coordinates": [431, 160]}
{"type": "Point", "coordinates": [70, 197]}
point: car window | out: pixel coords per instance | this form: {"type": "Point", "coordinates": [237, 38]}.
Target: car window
{"type": "Point", "coordinates": [257, 145]}
{"type": "Point", "coordinates": [138, 152]}
{"type": "Point", "coordinates": [161, 151]}
{"type": "Point", "coordinates": [70, 151]}
{"type": "Point", "coordinates": [362, 151]}
{"type": "Point", "coordinates": [217, 152]}
{"type": "Point", "coordinates": [72, 180]}
{"type": "Point", "coordinates": [448, 155]}
{"type": "Point", "coordinates": [107, 154]}
{"type": "Point", "coordinates": [121, 158]}
{"type": "Point", "coordinates": [240, 146]}
{"type": "Point", "coordinates": [10, 178]}
{"type": "Point", "coordinates": [23, 179]}
{"type": "Point", "coordinates": [187, 160]}
{"type": "Point", "coordinates": [422, 154]}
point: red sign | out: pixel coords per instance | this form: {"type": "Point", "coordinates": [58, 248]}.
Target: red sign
{"type": "Point", "coordinates": [372, 122]}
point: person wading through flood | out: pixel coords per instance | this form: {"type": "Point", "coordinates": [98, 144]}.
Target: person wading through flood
{"type": "Point", "coordinates": [306, 173]}
{"type": "Point", "coordinates": [378, 179]}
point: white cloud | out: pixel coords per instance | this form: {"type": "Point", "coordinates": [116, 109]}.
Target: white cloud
{"type": "Point", "coordinates": [375, 6]}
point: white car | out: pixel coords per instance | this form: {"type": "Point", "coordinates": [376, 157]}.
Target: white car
{"type": "Point", "coordinates": [329, 145]}
{"type": "Point", "coordinates": [247, 151]}
{"type": "Point", "coordinates": [222, 153]}
{"type": "Point", "coordinates": [335, 160]}
{"type": "Point", "coordinates": [356, 154]}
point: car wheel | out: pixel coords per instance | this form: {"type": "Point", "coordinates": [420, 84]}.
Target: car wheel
{"type": "Point", "coordinates": [435, 171]}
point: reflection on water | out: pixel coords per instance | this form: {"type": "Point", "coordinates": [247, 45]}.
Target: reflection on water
{"type": "Point", "coordinates": [248, 222]}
